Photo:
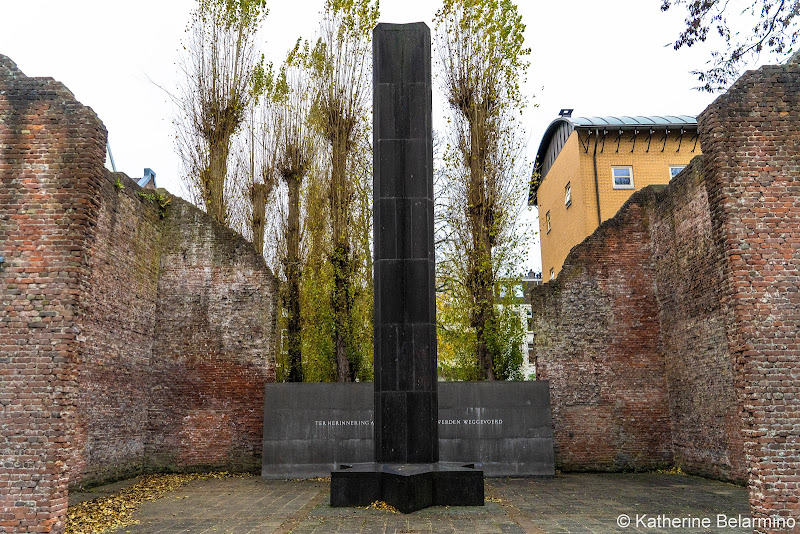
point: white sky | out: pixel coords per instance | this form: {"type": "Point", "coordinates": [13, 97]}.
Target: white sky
{"type": "Point", "coordinates": [600, 58]}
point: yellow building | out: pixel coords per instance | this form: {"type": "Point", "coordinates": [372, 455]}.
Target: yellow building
{"type": "Point", "coordinates": [586, 168]}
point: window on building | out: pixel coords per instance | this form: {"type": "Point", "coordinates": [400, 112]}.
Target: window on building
{"type": "Point", "coordinates": [568, 195]}
{"type": "Point", "coordinates": [623, 177]}
{"type": "Point", "coordinates": [674, 170]}
{"type": "Point", "coordinates": [552, 273]}
{"type": "Point", "coordinates": [547, 219]}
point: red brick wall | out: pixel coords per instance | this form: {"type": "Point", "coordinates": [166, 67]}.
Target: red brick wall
{"type": "Point", "coordinates": [116, 335]}
{"type": "Point", "coordinates": [688, 261]}
{"type": "Point", "coordinates": [751, 139]}
{"type": "Point", "coordinates": [598, 343]}
{"type": "Point", "coordinates": [128, 342]}
{"type": "Point", "coordinates": [632, 338]}
{"type": "Point", "coordinates": [51, 163]}
{"type": "Point", "coordinates": [214, 321]}
{"type": "Point", "coordinates": [706, 273]}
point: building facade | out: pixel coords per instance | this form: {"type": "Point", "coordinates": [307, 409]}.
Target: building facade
{"type": "Point", "coordinates": [587, 168]}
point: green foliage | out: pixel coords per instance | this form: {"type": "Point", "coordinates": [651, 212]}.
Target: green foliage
{"type": "Point", "coordinates": [319, 360]}
{"type": "Point", "coordinates": [240, 15]}
{"type": "Point", "coordinates": [482, 47]}
{"type": "Point", "coordinates": [340, 63]}
{"type": "Point", "coordinates": [118, 184]}
{"type": "Point", "coordinates": [262, 81]}
{"type": "Point", "coordinates": [483, 185]}
{"type": "Point", "coordinates": [357, 16]}
{"type": "Point", "coordinates": [457, 341]}
{"type": "Point", "coordinates": [505, 334]}
{"type": "Point", "coordinates": [223, 75]}
{"type": "Point", "coordinates": [159, 199]}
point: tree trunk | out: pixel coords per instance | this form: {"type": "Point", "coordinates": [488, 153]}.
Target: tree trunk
{"type": "Point", "coordinates": [214, 180]}
{"type": "Point", "coordinates": [258, 199]}
{"type": "Point", "coordinates": [342, 262]}
{"type": "Point", "coordinates": [293, 327]}
{"type": "Point", "coordinates": [480, 274]}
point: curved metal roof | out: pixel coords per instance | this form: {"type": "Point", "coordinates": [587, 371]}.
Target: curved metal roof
{"type": "Point", "coordinates": [622, 122]}
{"type": "Point", "coordinates": [655, 120]}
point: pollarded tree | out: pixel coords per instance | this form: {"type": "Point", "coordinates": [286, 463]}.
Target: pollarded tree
{"type": "Point", "coordinates": [482, 60]}
{"type": "Point", "coordinates": [262, 155]}
{"type": "Point", "coordinates": [775, 31]}
{"type": "Point", "coordinates": [342, 64]}
{"type": "Point", "coordinates": [222, 73]}
{"type": "Point", "coordinates": [296, 145]}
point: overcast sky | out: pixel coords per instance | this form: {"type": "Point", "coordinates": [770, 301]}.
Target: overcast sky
{"type": "Point", "coordinates": [598, 57]}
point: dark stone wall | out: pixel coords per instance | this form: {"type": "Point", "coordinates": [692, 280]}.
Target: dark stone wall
{"type": "Point", "coordinates": [751, 139]}
{"type": "Point", "coordinates": [128, 343]}
{"type": "Point", "coordinates": [313, 429]}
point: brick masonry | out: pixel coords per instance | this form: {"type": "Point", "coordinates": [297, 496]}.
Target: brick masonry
{"type": "Point", "coordinates": [672, 330]}
{"type": "Point", "coordinates": [128, 342]}
{"type": "Point", "coordinates": [50, 169]}
{"type": "Point", "coordinates": [597, 341]}
{"type": "Point", "coordinates": [751, 138]}
{"type": "Point", "coordinates": [214, 328]}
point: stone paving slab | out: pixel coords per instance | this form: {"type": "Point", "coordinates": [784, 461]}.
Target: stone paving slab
{"type": "Point", "coordinates": [574, 503]}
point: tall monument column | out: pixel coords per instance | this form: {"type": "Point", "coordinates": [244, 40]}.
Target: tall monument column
{"type": "Point", "coordinates": [406, 406]}
{"type": "Point", "coordinates": [406, 473]}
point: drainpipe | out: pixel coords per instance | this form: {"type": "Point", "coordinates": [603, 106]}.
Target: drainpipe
{"type": "Point", "coordinates": [596, 184]}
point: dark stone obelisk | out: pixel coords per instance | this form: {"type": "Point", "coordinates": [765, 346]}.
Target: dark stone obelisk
{"type": "Point", "coordinates": [407, 473]}
{"type": "Point", "coordinates": [406, 408]}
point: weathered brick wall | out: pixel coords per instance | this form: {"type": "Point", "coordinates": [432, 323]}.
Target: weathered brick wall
{"type": "Point", "coordinates": [751, 138]}
{"type": "Point", "coordinates": [117, 335]}
{"type": "Point", "coordinates": [632, 338]}
{"type": "Point", "coordinates": [52, 151]}
{"type": "Point", "coordinates": [597, 342]}
{"type": "Point", "coordinates": [706, 271]}
{"type": "Point", "coordinates": [214, 322]}
{"type": "Point", "coordinates": [688, 262]}
{"type": "Point", "coordinates": [128, 342]}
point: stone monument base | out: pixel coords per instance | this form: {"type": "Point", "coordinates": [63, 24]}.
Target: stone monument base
{"type": "Point", "coordinates": [407, 487]}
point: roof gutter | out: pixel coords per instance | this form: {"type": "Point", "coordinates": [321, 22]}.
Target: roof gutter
{"type": "Point", "coordinates": [596, 181]}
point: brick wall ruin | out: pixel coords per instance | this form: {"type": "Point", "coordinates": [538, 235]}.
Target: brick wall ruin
{"type": "Point", "coordinates": [128, 342]}
{"type": "Point", "coordinates": [670, 337]}
{"type": "Point", "coordinates": [597, 341]}
{"type": "Point", "coordinates": [751, 138]}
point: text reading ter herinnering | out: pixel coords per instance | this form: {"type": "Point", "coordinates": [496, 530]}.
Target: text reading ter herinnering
{"type": "Point", "coordinates": [343, 423]}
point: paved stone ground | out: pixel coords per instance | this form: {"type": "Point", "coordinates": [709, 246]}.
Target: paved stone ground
{"type": "Point", "coordinates": [565, 504]}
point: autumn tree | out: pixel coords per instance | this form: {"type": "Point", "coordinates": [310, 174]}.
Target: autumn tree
{"type": "Point", "coordinates": [262, 154]}
{"type": "Point", "coordinates": [222, 74]}
{"type": "Point", "coordinates": [342, 64]}
{"type": "Point", "coordinates": [774, 30]}
{"type": "Point", "coordinates": [482, 59]}
{"type": "Point", "coordinates": [295, 149]}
